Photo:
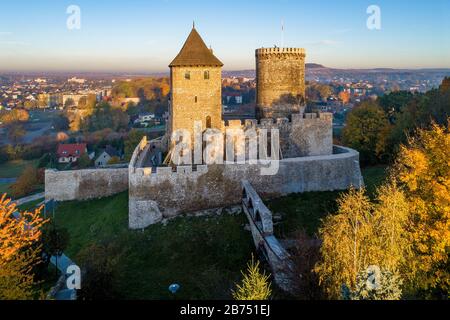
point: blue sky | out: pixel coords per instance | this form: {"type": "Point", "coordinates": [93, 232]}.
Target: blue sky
{"type": "Point", "coordinates": [144, 36]}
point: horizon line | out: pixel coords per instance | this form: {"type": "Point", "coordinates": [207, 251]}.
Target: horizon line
{"type": "Point", "coordinates": [99, 71]}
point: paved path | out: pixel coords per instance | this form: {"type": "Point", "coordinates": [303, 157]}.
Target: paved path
{"type": "Point", "coordinates": [62, 262]}
{"type": "Point", "coordinates": [31, 198]}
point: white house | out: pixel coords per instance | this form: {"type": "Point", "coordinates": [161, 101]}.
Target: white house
{"type": "Point", "coordinates": [105, 156]}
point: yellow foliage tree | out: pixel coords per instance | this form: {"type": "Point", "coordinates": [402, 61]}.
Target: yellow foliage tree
{"type": "Point", "coordinates": [255, 285]}
{"type": "Point", "coordinates": [423, 169]}
{"type": "Point", "coordinates": [362, 234]}
{"type": "Point", "coordinates": [18, 256]}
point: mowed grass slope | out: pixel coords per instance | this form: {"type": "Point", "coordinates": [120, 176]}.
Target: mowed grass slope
{"type": "Point", "coordinates": [4, 188]}
{"type": "Point", "coordinates": [203, 254]}
{"type": "Point", "coordinates": [303, 212]}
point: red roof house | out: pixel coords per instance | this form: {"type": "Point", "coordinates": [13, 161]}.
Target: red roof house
{"type": "Point", "coordinates": [69, 153]}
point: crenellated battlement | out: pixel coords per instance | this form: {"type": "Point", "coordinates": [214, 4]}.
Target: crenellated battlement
{"type": "Point", "coordinates": [167, 172]}
{"type": "Point", "coordinates": [280, 78]}
{"type": "Point", "coordinates": [296, 119]}
{"type": "Point", "coordinates": [168, 192]}
{"type": "Point", "coordinates": [276, 51]}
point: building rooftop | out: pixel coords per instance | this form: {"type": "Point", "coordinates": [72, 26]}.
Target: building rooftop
{"type": "Point", "coordinates": [71, 150]}
{"type": "Point", "coordinates": [195, 53]}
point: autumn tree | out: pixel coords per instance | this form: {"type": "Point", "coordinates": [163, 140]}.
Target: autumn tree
{"type": "Point", "coordinates": [362, 234]}
{"type": "Point", "coordinates": [87, 102]}
{"type": "Point", "coordinates": [317, 91]}
{"type": "Point", "coordinates": [255, 284]}
{"type": "Point", "coordinates": [367, 130]}
{"type": "Point", "coordinates": [19, 231]}
{"type": "Point", "coordinates": [344, 96]}
{"type": "Point", "coordinates": [15, 115]}
{"type": "Point", "coordinates": [105, 116]}
{"type": "Point", "coordinates": [375, 284]}
{"type": "Point", "coordinates": [423, 170]}
{"type": "Point", "coordinates": [26, 183]}
{"type": "Point", "coordinates": [62, 136]}
{"type": "Point", "coordinates": [114, 160]}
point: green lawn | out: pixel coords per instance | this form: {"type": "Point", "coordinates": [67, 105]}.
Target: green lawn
{"type": "Point", "coordinates": [305, 211]}
{"type": "Point", "coordinates": [13, 169]}
{"type": "Point", "coordinates": [4, 188]}
{"type": "Point", "coordinates": [204, 255]}
{"type": "Point", "coordinates": [43, 116]}
{"type": "Point", "coordinates": [30, 205]}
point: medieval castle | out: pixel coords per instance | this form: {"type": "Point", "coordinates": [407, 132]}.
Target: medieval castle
{"type": "Point", "coordinates": [307, 159]}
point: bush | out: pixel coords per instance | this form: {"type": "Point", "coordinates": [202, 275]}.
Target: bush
{"type": "Point", "coordinates": [26, 183]}
{"type": "Point", "coordinates": [99, 278]}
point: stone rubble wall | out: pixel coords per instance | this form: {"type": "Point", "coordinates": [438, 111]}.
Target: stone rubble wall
{"type": "Point", "coordinates": [306, 134]}
{"type": "Point", "coordinates": [167, 192]}
{"type": "Point", "coordinates": [84, 184]}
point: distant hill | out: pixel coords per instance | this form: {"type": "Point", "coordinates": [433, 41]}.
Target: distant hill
{"type": "Point", "coordinates": [314, 66]}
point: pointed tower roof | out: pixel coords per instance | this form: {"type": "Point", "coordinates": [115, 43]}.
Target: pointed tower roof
{"type": "Point", "coordinates": [195, 53]}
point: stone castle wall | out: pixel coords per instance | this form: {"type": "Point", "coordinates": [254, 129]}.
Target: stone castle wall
{"type": "Point", "coordinates": [85, 184]}
{"type": "Point", "coordinates": [280, 74]}
{"type": "Point", "coordinates": [309, 134]}
{"type": "Point", "coordinates": [165, 193]}
{"type": "Point", "coordinates": [195, 99]}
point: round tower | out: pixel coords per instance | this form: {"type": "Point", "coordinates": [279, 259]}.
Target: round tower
{"type": "Point", "coordinates": [280, 74]}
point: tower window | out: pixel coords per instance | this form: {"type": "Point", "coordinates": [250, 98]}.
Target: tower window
{"type": "Point", "coordinates": [187, 75]}
{"type": "Point", "coordinates": [206, 75]}
{"type": "Point", "coordinates": [196, 99]}
{"type": "Point", "coordinates": [208, 122]}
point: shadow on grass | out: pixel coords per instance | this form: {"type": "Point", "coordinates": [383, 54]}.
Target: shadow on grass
{"type": "Point", "coordinates": [202, 254]}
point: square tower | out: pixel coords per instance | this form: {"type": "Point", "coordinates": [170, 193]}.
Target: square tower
{"type": "Point", "coordinates": [196, 87]}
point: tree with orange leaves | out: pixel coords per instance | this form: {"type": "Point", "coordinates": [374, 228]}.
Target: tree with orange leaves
{"type": "Point", "coordinates": [423, 170]}
{"type": "Point", "coordinates": [19, 232]}
{"type": "Point", "coordinates": [344, 96]}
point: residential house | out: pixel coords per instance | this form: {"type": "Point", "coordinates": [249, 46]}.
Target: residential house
{"type": "Point", "coordinates": [145, 117]}
{"type": "Point", "coordinates": [105, 156]}
{"type": "Point", "coordinates": [70, 153]}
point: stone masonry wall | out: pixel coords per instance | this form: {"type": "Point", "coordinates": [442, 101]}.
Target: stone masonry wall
{"type": "Point", "coordinates": [304, 135]}
{"type": "Point", "coordinates": [164, 193]}
{"type": "Point", "coordinates": [84, 184]}
{"type": "Point", "coordinates": [280, 74]}
{"type": "Point", "coordinates": [195, 99]}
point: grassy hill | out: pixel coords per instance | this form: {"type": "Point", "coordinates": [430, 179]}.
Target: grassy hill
{"type": "Point", "coordinates": [203, 254]}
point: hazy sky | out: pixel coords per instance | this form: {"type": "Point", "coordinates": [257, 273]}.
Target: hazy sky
{"type": "Point", "coordinates": [144, 36]}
